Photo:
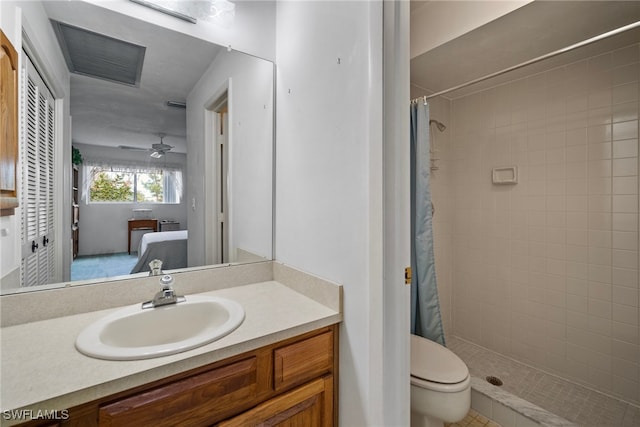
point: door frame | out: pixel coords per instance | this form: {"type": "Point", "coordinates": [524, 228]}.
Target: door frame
{"type": "Point", "coordinates": [211, 159]}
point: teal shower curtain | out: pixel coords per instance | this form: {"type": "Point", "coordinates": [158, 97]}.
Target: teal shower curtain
{"type": "Point", "coordinates": [426, 320]}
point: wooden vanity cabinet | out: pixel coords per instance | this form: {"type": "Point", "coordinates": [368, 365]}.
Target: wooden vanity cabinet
{"type": "Point", "coordinates": [289, 383]}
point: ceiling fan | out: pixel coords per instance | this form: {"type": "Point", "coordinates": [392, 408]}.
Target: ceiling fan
{"type": "Point", "coordinates": [157, 150]}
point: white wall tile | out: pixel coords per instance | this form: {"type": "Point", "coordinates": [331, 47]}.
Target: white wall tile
{"type": "Point", "coordinates": [624, 112]}
{"type": "Point", "coordinates": [625, 240]}
{"type": "Point", "coordinates": [481, 403]}
{"type": "Point", "coordinates": [625, 130]}
{"type": "Point", "coordinates": [601, 185]}
{"type": "Point", "coordinates": [626, 79]}
{"type": "Point", "coordinates": [577, 286]}
{"type": "Point", "coordinates": [600, 97]}
{"type": "Point", "coordinates": [578, 303]}
{"type": "Point", "coordinates": [599, 168]}
{"type": "Point", "coordinates": [577, 220]}
{"type": "Point", "coordinates": [625, 313]}
{"type": "Point", "coordinates": [625, 203]}
{"type": "Point", "coordinates": [626, 351]}
{"type": "Point", "coordinates": [503, 415]}
{"type": "Point", "coordinates": [600, 291]}
{"type": "Point", "coordinates": [625, 221]}
{"type": "Point", "coordinates": [600, 361]}
{"type": "Point", "coordinates": [576, 170]}
{"type": "Point", "coordinates": [626, 388]}
{"type": "Point", "coordinates": [600, 133]}
{"type": "Point", "coordinates": [599, 256]}
{"type": "Point", "coordinates": [577, 270]}
{"type": "Point", "coordinates": [577, 203]}
{"type": "Point", "coordinates": [625, 185]}
{"type": "Point", "coordinates": [561, 246]}
{"type": "Point", "coordinates": [600, 115]}
{"type": "Point", "coordinates": [600, 308]}
{"type": "Point", "coordinates": [625, 277]}
{"type": "Point", "coordinates": [599, 203]}
{"type": "Point", "coordinates": [600, 220]}
{"type": "Point", "coordinates": [625, 167]}
{"type": "Point", "coordinates": [600, 238]}
{"type": "Point", "coordinates": [625, 259]}
{"type": "Point", "coordinates": [522, 421]}
{"type": "Point", "coordinates": [600, 63]}
{"type": "Point", "coordinates": [600, 273]}
{"type": "Point", "coordinates": [625, 56]}
{"type": "Point", "coordinates": [625, 332]}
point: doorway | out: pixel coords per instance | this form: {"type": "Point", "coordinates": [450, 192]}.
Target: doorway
{"type": "Point", "coordinates": [217, 152]}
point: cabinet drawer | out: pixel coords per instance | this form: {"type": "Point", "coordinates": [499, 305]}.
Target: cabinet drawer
{"type": "Point", "coordinates": [303, 360]}
{"type": "Point", "coordinates": [198, 400]}
{"type": "Point", "coordinates": [310, 405]}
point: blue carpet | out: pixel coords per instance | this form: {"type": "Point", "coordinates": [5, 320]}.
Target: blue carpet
{"type": "Point", "coordinates": [97, 266]}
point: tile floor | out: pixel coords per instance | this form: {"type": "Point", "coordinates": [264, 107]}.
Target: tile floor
{"type": "Point", "coordinates": [474, 419]}
{"type": "Point", "coordinates": [571, 401]}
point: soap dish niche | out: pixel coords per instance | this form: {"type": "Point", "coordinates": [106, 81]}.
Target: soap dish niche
{"type": "Point", "coordinates": [507, 175]}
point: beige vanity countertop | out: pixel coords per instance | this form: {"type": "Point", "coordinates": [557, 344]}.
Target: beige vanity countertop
{"type": "Point", "coordinates": [42, 370]}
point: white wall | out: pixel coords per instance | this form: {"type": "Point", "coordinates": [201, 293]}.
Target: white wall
{"type": "Point", "coordinates": [103, 226]}
{"type": "Point", "coordinates": [250, 98]}
{"type": "Point", "coordinates": [14, 15]}
{"type": "Point", "coordinates": [546, 271]}
{"type": "Point", "coordinates": [328, 160]}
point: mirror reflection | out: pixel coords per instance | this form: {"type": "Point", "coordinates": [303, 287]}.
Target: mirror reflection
{"type": "Point", "coordinates": [172, 142]}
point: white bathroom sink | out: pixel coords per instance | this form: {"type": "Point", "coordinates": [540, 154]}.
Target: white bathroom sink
{"type": "Point", "coordinates": [134, 333]}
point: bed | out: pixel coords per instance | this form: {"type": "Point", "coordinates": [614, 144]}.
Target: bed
{"type": "Point", "coordinates": [170, 247]}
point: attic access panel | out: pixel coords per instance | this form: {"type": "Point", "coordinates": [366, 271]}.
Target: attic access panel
{"type": "Point", "coordinates": [96, 55]}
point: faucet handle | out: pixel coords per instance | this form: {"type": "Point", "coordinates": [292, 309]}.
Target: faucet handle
{"type": "Point", "coordinates": [166, 281]}
{"type": "Point", "coordinates": [156, 267]}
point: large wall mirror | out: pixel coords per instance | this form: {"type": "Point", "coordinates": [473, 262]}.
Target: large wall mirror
{"type": "Point", "coordinates": [172, 146]}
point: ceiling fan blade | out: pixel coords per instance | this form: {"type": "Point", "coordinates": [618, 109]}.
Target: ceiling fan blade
{"type": "Point", "coordinates": [162, 147]}
{"type": "Point", "coordinates": [128, 147]}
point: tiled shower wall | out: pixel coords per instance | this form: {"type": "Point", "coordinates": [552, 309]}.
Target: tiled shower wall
{"type": "Point", "coordinates": [546, 271]}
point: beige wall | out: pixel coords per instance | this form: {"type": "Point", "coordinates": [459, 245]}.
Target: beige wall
{"type": "Point", "coordinates": [546, 271]}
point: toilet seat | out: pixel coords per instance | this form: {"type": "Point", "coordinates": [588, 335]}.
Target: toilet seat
{"type": "Point", "coordinates": [439, 387]}
{"type": "Point", "coordinates": [435, 367]}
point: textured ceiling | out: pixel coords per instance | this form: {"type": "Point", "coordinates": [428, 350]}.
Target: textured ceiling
{"type": "Point", "coordinates": [529, 32]}
{"type": "Point", "coordinates": [111, 114]}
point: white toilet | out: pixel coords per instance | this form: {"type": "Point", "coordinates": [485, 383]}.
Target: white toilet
{"type": "Point", "coordinates": [440, 384]}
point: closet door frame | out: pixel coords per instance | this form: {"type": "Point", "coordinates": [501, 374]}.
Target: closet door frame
{"type": "Point", "coordinates": [40, 164]}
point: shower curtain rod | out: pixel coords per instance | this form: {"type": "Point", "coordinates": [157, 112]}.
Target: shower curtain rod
{"type": "Point", "coordinates": [534, 60]}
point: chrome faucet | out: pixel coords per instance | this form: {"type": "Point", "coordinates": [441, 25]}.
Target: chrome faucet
{"type": "Point", "coordinates": [155, 268]}
{"type": "Point", "coordinates": [166, 295]}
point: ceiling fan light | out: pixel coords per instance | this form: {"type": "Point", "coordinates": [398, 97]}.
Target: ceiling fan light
{"type": "Point", "coordinates": [157, 154]}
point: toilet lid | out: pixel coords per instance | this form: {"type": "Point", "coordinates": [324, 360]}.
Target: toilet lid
{"type": "Point", "coordinates": [432, 362]}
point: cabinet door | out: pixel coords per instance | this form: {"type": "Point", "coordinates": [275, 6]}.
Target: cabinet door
{"type": "Point", "coordinates": [310, 405]}
{"type": "Point", "coordinates": [8, 126]}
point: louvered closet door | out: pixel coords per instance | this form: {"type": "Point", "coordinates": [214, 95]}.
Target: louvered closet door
{"type": "Point", "coordinates": [37, 186]}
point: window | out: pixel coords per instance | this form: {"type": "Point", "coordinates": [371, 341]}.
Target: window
{"type": "Point", "coordinates": [132, 184]}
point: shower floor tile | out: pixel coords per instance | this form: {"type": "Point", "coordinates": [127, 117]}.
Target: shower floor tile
{"type": "Point", "coordinates": [571, 401]}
